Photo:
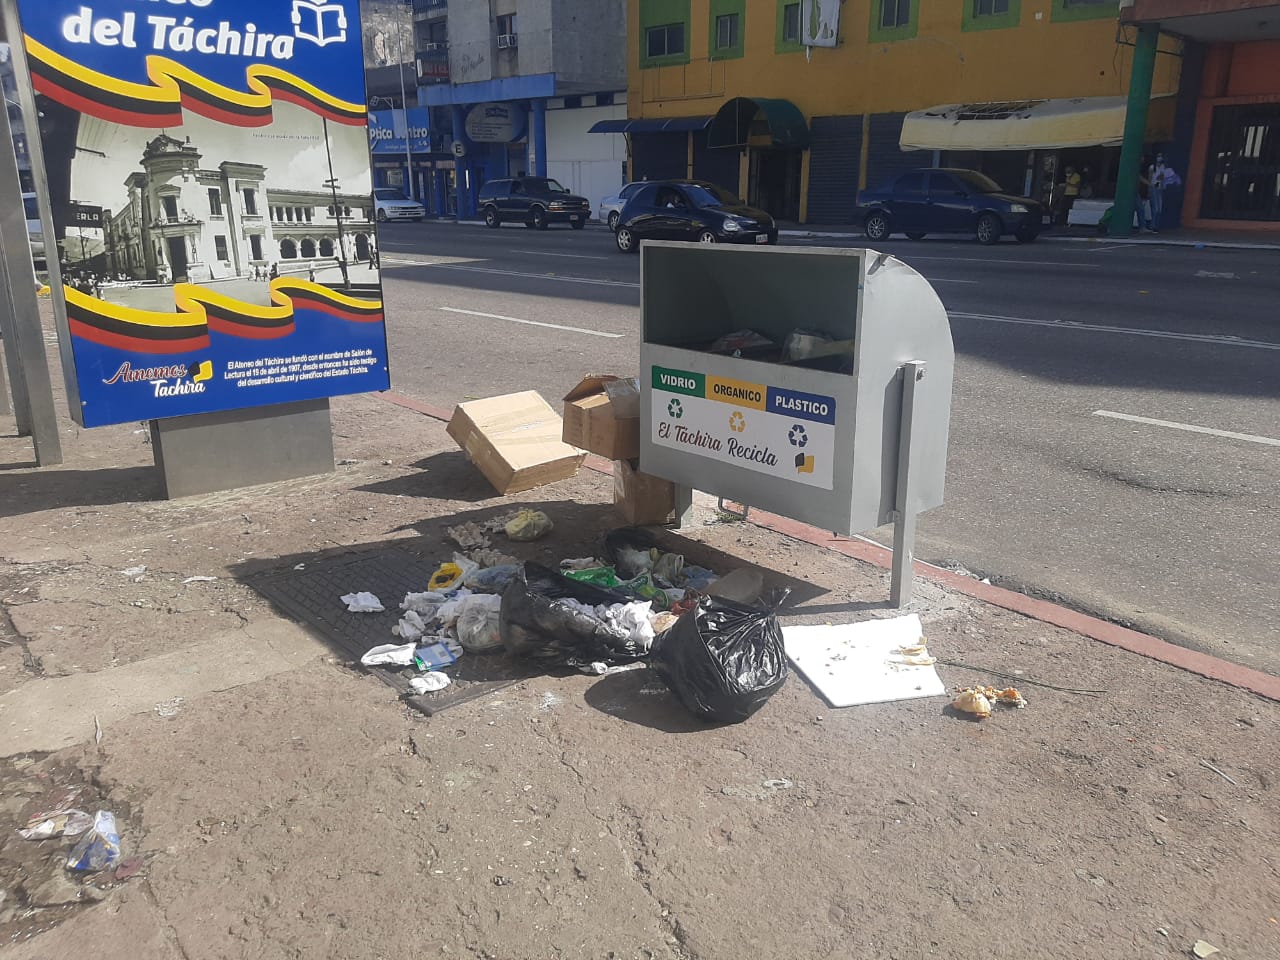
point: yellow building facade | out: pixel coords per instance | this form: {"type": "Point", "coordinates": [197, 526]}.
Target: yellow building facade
{"type": "Point", "coordinates": [795, 105]}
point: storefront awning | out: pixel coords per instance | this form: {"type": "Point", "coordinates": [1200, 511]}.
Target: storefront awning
{"type": "Point", "coordinates": [1030, 124]}
{"type": "Point", "coordinates": [744, 119]}
{"type": "Point", "coordinates": [650, 125]}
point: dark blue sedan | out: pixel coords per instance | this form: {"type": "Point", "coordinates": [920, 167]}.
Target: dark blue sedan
{"type": "Point", "coordinates": [945, 200]}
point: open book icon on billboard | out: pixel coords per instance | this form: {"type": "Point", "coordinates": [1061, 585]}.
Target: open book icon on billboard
{"type": "Point", "coordinates": [319, 21]}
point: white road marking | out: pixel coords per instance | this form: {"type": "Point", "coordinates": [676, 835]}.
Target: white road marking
{"type": "Point", "coordinates": [945, 280]}
{"type": "Point", "coordinates": [1211, 275]}
{"type": "Point", "coordinates": [1190, 427]}
{"type": "Point", "coordinates": [513, 273]}
{"type": "Point", "coordinates": [532, 323]}
{"type": "Point", "coordinates": [909, 257]}
{"type": "Point", "coordinates": [1078, 327]}
{"type": "Point", "coordinates": [572, 256]}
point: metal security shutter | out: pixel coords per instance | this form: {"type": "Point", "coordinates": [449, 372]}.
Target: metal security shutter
{"type": "Point", "coordinates": [659, 156]}
{"type": "Point", "coordinates": [720, 165]}
{"type": "Point", "coordinates": [833, 168]}
{"type": "Point", "coordinates": [885, 160]}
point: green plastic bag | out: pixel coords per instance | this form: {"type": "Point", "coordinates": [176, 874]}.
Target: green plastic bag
{"type": "Point", "coordinates": [599, 576]}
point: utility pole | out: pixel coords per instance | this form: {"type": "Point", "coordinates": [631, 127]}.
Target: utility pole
{"type": "Point", "coordinates": [404, 105]}
{"type": "Point", "coordinates": [332, 184]}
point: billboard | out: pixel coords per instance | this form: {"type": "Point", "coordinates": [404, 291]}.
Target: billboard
{"type": "Point", "coordinates": [213, 161]}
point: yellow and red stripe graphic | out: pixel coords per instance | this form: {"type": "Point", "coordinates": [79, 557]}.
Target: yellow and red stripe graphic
{"type": "Point", "coordinates": [174, 87]}
{"type": "Point", "coordinates": [201, 310]}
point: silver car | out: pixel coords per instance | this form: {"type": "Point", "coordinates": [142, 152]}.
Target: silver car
{"type": "Point", "coordinates": [611, 207]}
{"type": "Point", "coordinates": [392, 204]}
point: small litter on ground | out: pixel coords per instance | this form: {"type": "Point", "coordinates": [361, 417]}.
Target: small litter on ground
{"type": "Point", "coordinates": [362, 602]}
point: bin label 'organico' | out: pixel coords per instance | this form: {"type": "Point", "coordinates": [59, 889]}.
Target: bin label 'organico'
{"type": "Point", "coordinates": [783, 433]}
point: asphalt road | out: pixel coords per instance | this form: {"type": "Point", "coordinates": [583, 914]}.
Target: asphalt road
{"type": "Point", "coordinates": [1170, 527]}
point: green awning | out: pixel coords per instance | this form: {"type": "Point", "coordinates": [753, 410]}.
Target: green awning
{"type": "Point", "coordinates": [743, 117]}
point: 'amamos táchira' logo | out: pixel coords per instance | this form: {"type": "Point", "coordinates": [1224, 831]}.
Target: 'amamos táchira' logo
{"type": "Point", "coordinates": [172, 380]}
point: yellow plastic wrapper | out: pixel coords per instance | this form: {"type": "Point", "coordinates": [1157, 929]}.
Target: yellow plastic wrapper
{"type": "Point", "coordinates": [446, 577]}
{"type": "Point", "coordinates": [528, 525]}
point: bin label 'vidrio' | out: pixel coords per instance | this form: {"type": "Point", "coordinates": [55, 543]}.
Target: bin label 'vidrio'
{"type": "Point", "coordinates": [786, 434]}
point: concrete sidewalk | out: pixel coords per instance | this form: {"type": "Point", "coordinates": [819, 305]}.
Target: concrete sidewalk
{"type": "Point", "coordinates": [285, 805]}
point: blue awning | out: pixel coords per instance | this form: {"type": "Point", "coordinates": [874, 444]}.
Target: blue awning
{"type": "Point", "coordinates": [651, 125]}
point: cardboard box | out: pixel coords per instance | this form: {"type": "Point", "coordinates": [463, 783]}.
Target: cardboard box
{"type": "Point", "coordinates": [602, 414]}
{"type": "Point", "coordinates": [642, 498]}
{"type": "Point", "coordinates": [514, 440]}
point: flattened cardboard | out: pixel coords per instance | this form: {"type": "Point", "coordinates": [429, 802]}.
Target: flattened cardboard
{"type": "Point", "coordinates": [643, 499]}
{"type": "Point", "coordinates": [597, 420]}
{"type": "Point", "coordinates": [514, 440]}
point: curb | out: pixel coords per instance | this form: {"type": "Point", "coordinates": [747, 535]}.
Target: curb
{"type": "Point", "coordinates": [868, 551]}
{"type": "Point", "coordinates": [854, 235]}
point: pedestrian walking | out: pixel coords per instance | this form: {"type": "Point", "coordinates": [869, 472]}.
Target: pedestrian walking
{"type": "Point", "coordinates": [1162, 179]}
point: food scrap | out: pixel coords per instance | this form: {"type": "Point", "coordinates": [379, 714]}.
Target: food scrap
{"type": "Point", "coordinates": [978, 700]}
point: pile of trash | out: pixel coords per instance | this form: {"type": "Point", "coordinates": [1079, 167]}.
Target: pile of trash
{"type": "Point", "coordinates": [721, 656]}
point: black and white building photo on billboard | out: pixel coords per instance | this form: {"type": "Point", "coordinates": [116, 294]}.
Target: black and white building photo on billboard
{"type": "Point", "coordinates": [229, 208]}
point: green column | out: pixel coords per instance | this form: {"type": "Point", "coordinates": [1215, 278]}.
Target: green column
{"type": "Point", "coordinates": [1135, 127]}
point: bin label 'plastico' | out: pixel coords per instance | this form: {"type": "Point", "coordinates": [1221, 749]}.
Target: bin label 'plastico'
{"type": "Point", "coordinates": [783, 433]}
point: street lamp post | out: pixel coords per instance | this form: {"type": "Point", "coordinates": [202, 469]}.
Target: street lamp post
{"type": "Point", "coordinates": [332, 184]}
{"type": "Point", "coordinates": [404, 105]}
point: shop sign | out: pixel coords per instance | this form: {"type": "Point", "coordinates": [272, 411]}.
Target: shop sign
{"type": "Point", "coordinates": [495, 122]}
{"type": "Point", "coordinates": [387, 131]}
{"type": "Point", "coordinates": [783, 433]}
{"type": "Point", "coordinates": [220, 131]}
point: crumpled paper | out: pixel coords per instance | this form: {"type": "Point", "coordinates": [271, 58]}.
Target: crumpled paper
{"type": "Point", "coordinates": [390, 654]}
{"type": "Point", "coordinates": [362, 602]}
{"type": "Point", "coordinates": [430, 683]}
{"type": "Point", "coordinates": [57, 823]}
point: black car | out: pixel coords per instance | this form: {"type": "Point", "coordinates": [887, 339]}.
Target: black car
{"type": "Point", "coordinates": [690, 210]}
{"type": "Point", "coordinates": [533, 201]}
{"type": "Point", "coordinates": [945, 200]}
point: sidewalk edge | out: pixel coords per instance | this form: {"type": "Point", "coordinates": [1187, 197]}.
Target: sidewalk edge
{"type": "Point", "coordinates": [867, 551]}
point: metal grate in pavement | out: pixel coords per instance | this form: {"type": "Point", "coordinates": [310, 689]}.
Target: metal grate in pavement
{"type": "Point", "coordinates": [311, 597]}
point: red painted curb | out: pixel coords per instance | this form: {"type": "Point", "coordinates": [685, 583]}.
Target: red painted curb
{"type": "Point", "coordinates": [1206, 665]}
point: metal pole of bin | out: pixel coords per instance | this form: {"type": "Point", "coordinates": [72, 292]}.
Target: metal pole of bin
{"type": "Point", "coordinates": [29, 377]}
{"type": "Point", "coordinates": [904, 518]}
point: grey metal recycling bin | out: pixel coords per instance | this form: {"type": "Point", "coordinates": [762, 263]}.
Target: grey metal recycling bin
{"type": "Point", "coordinates": [846, 430]}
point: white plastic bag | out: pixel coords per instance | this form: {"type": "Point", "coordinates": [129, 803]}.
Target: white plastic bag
{"type": "Point", "coordinates": [478, 623]}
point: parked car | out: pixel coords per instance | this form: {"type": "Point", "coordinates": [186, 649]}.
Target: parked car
{"type": "Point", "coordinates": [611, 206]}
{"type": "Point", "coordinates": [690, 210]}
{"type": "Point", "coordinates": [534, 201]}
{"type": "Point", "coordinates": [35, 232]}
{"type": "Point", "coordinates": [391, 204]}
{"type": "Point", "coordinates": [947, 200]}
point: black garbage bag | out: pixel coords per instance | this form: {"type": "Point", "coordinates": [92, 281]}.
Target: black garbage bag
{"type": "Point", "coordinates": [535, 623]}
{"type": "Point", "coordinates": [722, 659]}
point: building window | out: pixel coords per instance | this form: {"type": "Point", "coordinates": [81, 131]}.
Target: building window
{"type": "Point", "coordinates": [288, 214]}
{"type": "Point", "coordinates": [170, 205]}
{"type": "Point", "coordinates": [664, 41]}
{"type": "Point", "coordinates": [896, 19]}
{"type": "Point", "coordinates": [308, 248]}
{"type": "Point", "coordinates": [220, 247]}
{"type": "Point", "coordinates": [991, 14]}
{"type": "Point", "coordinates": [791, 22]}
{"type": "Point", "coordinates": [250, 202]}
{"type": "Point", "coordinates": [215, 202]}
{"type": "Point", "coordinates": [326, 247]}
{"type": "Point", "coordinates": [288, 249]}
{"type": "Point", "coordinates": [255, 245]}
{"type": "Point", "coordinates": [507, 34]}
{"type": "Point", "coordinates": [895, 13]}
{"type": "Point", "coordinates": [665, 27]}
{"type": "Point", "coordinates": [787, 37]}
{"type": "Point", "coordinates": [309, 212]}
{"type": "Point", "coordinates": [726, 31]}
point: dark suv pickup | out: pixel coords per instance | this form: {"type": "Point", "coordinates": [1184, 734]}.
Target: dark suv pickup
{"type": "Point", "coordinates": [533, 201]}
